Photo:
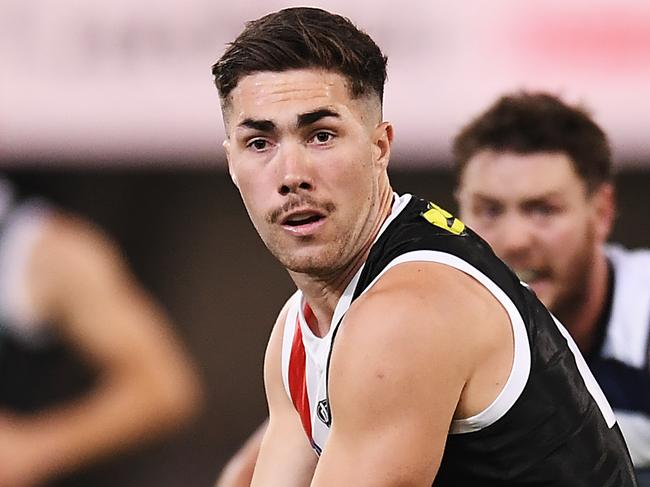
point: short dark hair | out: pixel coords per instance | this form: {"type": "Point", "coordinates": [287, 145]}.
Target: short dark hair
{"type": "Point", "coordinates": [298, 38]}
{"type": "Point", "coordinates": [527, 123]}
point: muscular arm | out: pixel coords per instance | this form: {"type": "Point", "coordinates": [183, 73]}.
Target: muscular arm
{"type": "Point", "coordinates": [404, 364]}
{"type": "Point", "coordinates": [77, 280]}
{"type": "Point", "coordinates": [285, 458]}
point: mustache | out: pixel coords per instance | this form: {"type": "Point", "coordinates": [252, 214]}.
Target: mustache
{"type": "Point", "coordinates": [528, 274]}
{"type": "Point", "coordinates": [275, 215]}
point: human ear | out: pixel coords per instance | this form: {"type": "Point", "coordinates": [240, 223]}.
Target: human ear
{"type": "Point", "coordinates": [603, 201]}
{"type": "Point", "coordinates": [226, 148]}
{"type": "Point", "coordinates": [382, 140]}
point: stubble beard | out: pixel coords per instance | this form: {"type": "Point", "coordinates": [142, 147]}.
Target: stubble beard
{"type": "Point", "coordinates": [322, 263]}
{"type": "Point", "coordinates": [572, 293]}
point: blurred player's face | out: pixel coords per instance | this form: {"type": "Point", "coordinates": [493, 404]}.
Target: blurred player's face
{"type": "Point", "coordinates": [536, 213]}
{"type": "Point", "coordinates": [310, 164]}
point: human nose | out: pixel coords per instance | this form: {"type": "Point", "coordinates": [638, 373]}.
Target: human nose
{"type": "Point", "coordinates": [295, 170]}
{"type": "Point", "coordinates": [515, 237]}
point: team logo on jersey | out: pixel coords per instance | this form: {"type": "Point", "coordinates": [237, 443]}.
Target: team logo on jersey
{"type": "Point", "coordinates": [323, 412]}
{"type": "Point", "coordinates": [443, 219]}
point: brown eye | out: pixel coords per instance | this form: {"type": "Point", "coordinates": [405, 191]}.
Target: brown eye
{"type": "Point", "coordinates": [258, 144]}
{"type": "Point", "coordinates": [322, 137]}
{"type": "Point", "coordinates": [488, 211]}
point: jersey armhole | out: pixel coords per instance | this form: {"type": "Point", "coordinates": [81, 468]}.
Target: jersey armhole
{"type": "Point", "coordinates": [520, 370]}
{"type": "Point", "coordinates": [290, 323]}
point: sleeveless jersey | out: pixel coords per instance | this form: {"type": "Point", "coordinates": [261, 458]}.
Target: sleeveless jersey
{"type": "Point", "coordinates": [21, 224]}
{"type": "Point", "coordinates": [621, 365]}
{"type": "Point", "coordinates": [549, 426]}
{"type": "Point", "coordinates": [37, 370]}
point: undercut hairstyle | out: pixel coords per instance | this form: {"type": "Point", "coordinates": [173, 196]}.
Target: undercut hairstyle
{"type": "Point", "coordinates": [302, 38]}
{"type": "Point", "coordinates": [528, 123]}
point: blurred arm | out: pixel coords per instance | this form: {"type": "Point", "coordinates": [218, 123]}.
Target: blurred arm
{"type": "Point", "coordinates": [147, 385]}
{"type": "Point", "coordinates": [238, 472]}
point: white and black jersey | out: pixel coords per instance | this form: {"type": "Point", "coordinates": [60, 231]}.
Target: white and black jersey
{"type": "Point", "coordinates": [619, 358]}
{"type": "Point", "coordinates": [36, 369]}
{"type": "Point", "coordinates": [550, 425]}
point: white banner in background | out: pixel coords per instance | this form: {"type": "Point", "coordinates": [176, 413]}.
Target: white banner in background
{"type": "Point", "coordinates": [89, 82]}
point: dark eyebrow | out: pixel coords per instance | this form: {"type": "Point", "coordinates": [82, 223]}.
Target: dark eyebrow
{"type": "Point", "coordinates": [309, 118]}
{"type": "Point", "coordinates": [260, 125]}
{"type": "Point", "coordinates": [529, 200]}
{"type": "Point", "coordinates": [543, 198]}
{"type": "Point", "coordinates": [487, 199]}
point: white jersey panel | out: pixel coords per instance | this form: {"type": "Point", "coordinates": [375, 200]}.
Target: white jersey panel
{"type": "Point", "coordinates": [627, 331]}
{"type": "Point", "coordinates": [290, 323]}
{"type": "Point", "coordinates": [627, 338]}
{"type": "Point", "coordinates": [636, 431]}
{"type": "Point", "coordinates": [21, 230]}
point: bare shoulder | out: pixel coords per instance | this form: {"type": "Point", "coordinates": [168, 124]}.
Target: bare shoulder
{"type": "Point", "coordinates": [71, 263]}
{"type": "Point", "coordinates": [427, 327]}
{"type": "Point", "coordinates": [426, 301]}
{"type": "Point", "coordinates": [273, 356]}
{"type": "Point", "coordinates": [69, 239]}
{"type": "Point", "coordinates": [277, 332]}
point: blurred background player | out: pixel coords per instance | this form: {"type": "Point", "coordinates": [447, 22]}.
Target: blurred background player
{"type": "Point", "coordinates": [534, 178]}
{"type": "Point", "coordinates": [88, 362]}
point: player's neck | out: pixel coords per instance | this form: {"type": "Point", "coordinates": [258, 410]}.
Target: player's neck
{"type": "Point", "coordinates": [582, 319]}
{"type": "Point", "coordinates": [322, 293]}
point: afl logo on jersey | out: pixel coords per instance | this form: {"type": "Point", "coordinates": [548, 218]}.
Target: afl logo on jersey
{"type": "Point", "coordinates": [323, 412]}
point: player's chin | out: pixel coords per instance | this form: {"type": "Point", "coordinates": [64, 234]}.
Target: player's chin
{"type": "Point", "coordinates": [545, 291]}
{"type": "Point", "coordinates": [315, 263]}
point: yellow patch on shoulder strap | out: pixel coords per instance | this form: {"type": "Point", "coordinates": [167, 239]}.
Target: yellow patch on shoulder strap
{"type": "Point", "coordinates": [443, 219]}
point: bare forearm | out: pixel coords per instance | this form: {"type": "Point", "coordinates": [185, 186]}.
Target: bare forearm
{"type": "Point", "coordinates": [285, 458]}
{"type": "Point", "coordinates": [115, 415]}
{"type": "Point", "coordinates": [238, 472]}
